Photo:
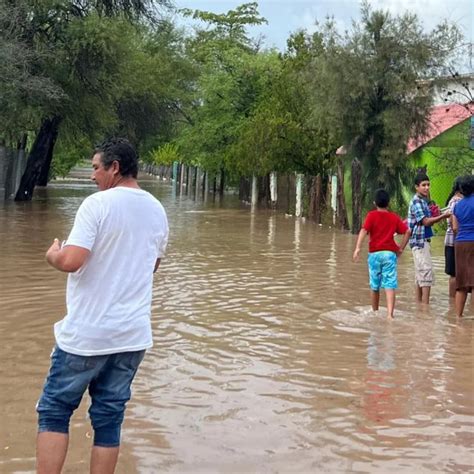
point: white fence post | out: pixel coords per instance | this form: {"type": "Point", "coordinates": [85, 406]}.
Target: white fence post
{"type": "Point", "coordinates": [334, 198]}
{"type": "Point", "coordinates": [299, 195]}
{"type": "Point", "coordinates": [273, 188]}
{"type": "Point", "coordinates": [254, 197]}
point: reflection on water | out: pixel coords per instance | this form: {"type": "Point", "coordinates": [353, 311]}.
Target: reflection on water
{"type": "Point", "coordinates": [271, 232]}
{"type": "Point", "coordinates": [331, 260]}
{"type": "Point", "coordinates": [267, 357]}
{"type": "Point", "coordinates": [379, 399]}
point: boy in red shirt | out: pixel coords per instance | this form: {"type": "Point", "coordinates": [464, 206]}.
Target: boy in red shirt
{"type": "Point", "coordinates": [381, 225]}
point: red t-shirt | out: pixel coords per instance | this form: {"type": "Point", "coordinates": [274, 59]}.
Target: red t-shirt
{"type": "Point", "coordinates": [381, 226]}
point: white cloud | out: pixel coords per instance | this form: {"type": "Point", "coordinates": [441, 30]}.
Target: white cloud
{"type": "Point", "coordinates": [307, 20]}
{"type": "Point", "coordinates": [287, 16]}
{"type": "Point", "coordinates": [432, 12]}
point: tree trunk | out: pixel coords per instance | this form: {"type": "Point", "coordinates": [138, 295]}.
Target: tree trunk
{"type": "Point", "coordinates": [341, 214]}
{"type": "Point", "coordinates": [222, 183]}
{"type": "Point", "coordinates": [264, 189]}
{"type": "Point", "coordinates": [318, 197]}
{"type": "Point", "coordinates": [182, 178]}
{"type": "Point", "coordinates": [289, 209]}
{"type": "Point", "coordinates": [197, 189]}
{"type": "Point", "coordinates": [356, 195]}
{"type": "Point", "coordinates": [44, 173]}
{"type": "Point", "coordinates": [39, 159]}
{"type": "Point", "coordinates": [3, 168]}
{"type": "Point", "coordinates": [205, 185]}
{"type": "Point", "coordinates": [245, 188]}
{"type": "Point", "coordinates": [12, 156]}
{"type": "Point", "coordinates": [315, 198]}
{"type": "Point", "coordinates": [189, 170]}
{"type": "Point", "coordinates": [195, 178]}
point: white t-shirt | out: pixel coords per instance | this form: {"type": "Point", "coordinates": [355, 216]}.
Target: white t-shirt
{"type": "Point", "coordinates": [109, 298]}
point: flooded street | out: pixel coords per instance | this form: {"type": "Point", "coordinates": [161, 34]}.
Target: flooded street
{"type": "Point", "coordinates": [266, 357]}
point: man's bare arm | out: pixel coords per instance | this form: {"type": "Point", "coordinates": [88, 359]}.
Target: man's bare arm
{"type": "Point", "coordinates": [429, 221]}
{"type": "Point", "coordinates": [67, 259]}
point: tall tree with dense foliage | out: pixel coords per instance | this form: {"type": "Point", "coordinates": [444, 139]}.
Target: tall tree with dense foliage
{"type": "Point", "coordinates": [24, 86]}
{"type": "Point", "coordinates": [370, 86]}
{"type": "Point", "coordinates": [157, 88]}
{"type": "Point", "coordinates": [226, 88]}
{"type": "Point", "coordinates": [279, 134]}
{"type": "Point", "coordinates": [80, 48]}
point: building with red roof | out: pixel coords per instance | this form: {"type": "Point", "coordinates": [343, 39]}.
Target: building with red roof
{"type": "Point", "coordinates": [447, 148]}
{"type": "Point", "coordinates": [441, 119]}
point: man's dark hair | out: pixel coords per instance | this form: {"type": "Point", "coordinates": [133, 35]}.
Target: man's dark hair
{"type": "Point", "coordinates": [381, 198]}
{"type": "Point", "coordinates": [420, 177]}
{"type": "Point", "coordinates": [467, 185]}
{"type": "Point", "coordinates": [122, 151]}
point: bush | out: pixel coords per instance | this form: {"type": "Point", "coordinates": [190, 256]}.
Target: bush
{"type": "Point", "coordinates": [165, 155]}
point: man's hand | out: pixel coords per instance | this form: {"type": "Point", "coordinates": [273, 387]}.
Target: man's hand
{"type": "Point", "coordinates": [53, 250]}
{"type": "Point", "coordinates": [356, 255]}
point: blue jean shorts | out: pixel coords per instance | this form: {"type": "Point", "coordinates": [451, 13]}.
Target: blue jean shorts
{"type": "Point", "coordinates": [108, 378]}
{"type": "Point", "coordinates": [383, 270]}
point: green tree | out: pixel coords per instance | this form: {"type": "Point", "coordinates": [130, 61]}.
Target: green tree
{"type": "Point", "coordinates": [279, 133]}
{"type": "Point", "coordinates": [225, 89]}
{"type": "Point", "coordinates": [157, 88]}
{"type": "Point", "coordinates": [23, 85]}
{"type": "Point", "coordinates": [367, 89]}
{"type": "Point", "coordinates": [256, 145]}
{"type": "Point", "coordinates": [164, 155]}
{"type": "Point", "coordinates": [87, 66]}
{"type": "Point", "coordinates": [81, 48]}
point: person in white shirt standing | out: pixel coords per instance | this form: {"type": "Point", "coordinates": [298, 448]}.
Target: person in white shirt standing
{"type": "Point", "coordinates": [116, 244]}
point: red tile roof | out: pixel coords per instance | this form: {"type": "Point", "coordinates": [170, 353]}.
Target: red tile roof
{"type": "Point", "coordinates": [442, 118]}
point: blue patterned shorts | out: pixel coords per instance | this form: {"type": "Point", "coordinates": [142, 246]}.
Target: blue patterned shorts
{"type": "Point", "coordinates": [383, 270]}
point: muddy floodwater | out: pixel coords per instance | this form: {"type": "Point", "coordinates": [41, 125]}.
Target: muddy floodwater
{"type": "Point", "coordinates": [266, 357]}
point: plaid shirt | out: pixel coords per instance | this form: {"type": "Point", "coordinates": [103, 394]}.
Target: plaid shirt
{"type": "Point", "coordinates": [417, 211]}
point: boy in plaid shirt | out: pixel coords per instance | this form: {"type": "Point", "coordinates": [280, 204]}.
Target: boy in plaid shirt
{"type": "Point", "coordinates": [420, 222]}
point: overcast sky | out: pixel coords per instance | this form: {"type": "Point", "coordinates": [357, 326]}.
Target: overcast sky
{"type": "Point", "coordinates": [285, 17]}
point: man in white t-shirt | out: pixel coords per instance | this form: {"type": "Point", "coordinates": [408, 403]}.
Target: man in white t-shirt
{"type": "Point", "coordinates": [116, 244]}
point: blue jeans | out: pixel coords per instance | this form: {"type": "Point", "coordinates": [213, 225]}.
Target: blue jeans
{"type": "Point", "coordinates": [108, 378]}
